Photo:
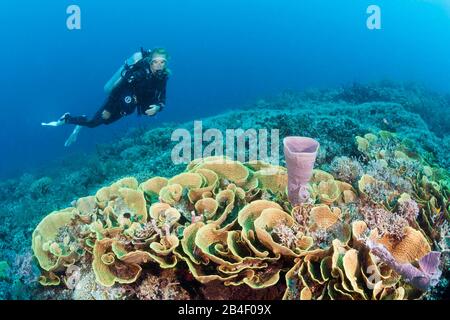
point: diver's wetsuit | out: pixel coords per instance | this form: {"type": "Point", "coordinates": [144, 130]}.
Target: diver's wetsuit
{"type": "Point", "coordinates": [145, 90]}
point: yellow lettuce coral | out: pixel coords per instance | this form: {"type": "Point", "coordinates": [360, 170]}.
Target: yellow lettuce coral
{"type": "Point", "coordinates": [51, 245]}
{"type": "Point", "coordinates": [109, 269]}
{"type": "Point", "coordinates": [225, 221]}
{"type": "Point", "coordinates": [343, 272]}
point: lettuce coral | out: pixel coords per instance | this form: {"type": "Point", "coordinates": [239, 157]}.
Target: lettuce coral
{"type": "Point", "coordinates": [226, 223]}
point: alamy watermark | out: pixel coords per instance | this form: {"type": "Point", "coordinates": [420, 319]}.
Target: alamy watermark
{"type": "Point", "coordinates": [73, 21]}
{"type": "Point", "coordinates": [248, 145]}
{"type": "Point", "coordinates": [374, 20]}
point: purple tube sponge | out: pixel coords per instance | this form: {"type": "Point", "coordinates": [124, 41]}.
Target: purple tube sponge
{"type": "Point", "coordinates": [300, 154]}
{"type": "Point", "coordinates": [424, 278]}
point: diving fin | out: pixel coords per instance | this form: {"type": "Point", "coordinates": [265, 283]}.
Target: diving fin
{"type": "Point", "coordinates": [61, 121]}
{"type": "Point", "coordinates": [73, 136]}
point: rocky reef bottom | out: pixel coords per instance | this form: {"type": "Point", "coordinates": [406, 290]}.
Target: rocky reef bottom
{"type": "Point", "coordinates": [125, 223]}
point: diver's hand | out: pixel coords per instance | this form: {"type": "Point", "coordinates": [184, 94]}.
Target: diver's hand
{"type": "Point", "coordinates": [152, 110]}
{"type": "Point", "coordinates": [106, 114]}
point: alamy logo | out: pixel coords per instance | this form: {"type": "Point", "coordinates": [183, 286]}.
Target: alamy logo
{"type": "Point", "coordinates": [374, 20]}
{"type": "Point", "coordinates": [73, 21]}
{"type": "Point", "coordinates": [242, 145]}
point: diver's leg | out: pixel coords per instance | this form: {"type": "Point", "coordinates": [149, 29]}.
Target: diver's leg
{"type": "Point", "coordinates": [108, 113]}
{"type": "Point", "coordinates": [78, 120]}
{"type": "Point", "coordinates": [113, 118]}
{"type": "Point", "coordinates": [83, 121]}
{"type": "Point", "coordinates": [91, 124]}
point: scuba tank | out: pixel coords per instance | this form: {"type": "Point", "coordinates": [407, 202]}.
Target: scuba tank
{"type": "Point", "coordinates": [124, 71]}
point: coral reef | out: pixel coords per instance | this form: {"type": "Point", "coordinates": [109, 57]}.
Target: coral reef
{"type": "Point", "coordinates": [224, 223]}
{"type": "Point", "coordinates": [373, 175]}
{"type": "Point", "coordinates": [161, 287]}
{"type": "Point", "coordinates": [4, 270]}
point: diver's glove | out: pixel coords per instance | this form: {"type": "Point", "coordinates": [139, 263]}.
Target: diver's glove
{"type": "Point", "coordinates": [152, 110]}
{"type": "Point", "coordinates": [61, 121]}
{"type": "Point", "coordinates": [73, 136]}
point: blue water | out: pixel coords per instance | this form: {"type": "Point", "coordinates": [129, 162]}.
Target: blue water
{"type": "Point", "coordinates": [224, 54]}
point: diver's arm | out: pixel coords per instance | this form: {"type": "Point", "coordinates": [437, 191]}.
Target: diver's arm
{"type": "Point", "coordinates": [160, 100]}
{"type": "Point", "coordinates": [152, 110]}
{"type": "Point", "coordinates": [162, 95]}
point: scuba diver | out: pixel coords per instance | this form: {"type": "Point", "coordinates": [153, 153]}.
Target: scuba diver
{"type": "Point", "coordinates": [140, 84]}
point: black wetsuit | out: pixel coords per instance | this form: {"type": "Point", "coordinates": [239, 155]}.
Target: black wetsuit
{"type": "Point", "coordinates": [138, 90]}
